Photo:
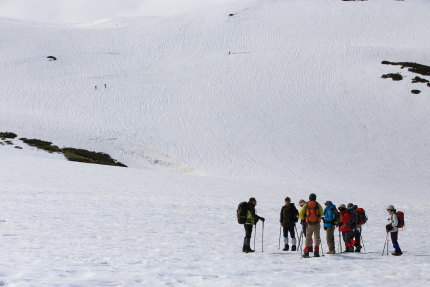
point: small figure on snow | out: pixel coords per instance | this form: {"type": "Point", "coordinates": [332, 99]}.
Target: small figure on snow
{"type": "Point", "coordinates": [331, 220]}
{"type": "Point", "coordinates": [345, 226]}
{"type": "Point", "coordinates": [392, 228]}
{"type": "Point", "coordinates": [312, 212]}
{"type": "Point", "coordinates": [247, 211]}
{"type": "Point", "coordinates": [288, 219]}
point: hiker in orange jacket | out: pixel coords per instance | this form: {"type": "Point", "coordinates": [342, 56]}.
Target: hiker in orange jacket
{"type": "Point", "coordinates": [311, 212]}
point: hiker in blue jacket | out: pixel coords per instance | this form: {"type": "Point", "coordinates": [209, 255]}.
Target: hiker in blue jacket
{"type": "Point", "coordinates": [331, 219]}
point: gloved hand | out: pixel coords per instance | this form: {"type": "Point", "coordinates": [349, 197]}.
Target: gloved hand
{"type": "Point", "coordinates": [389, 227]}
{"type": "Point", "coordinates": [262, 219]}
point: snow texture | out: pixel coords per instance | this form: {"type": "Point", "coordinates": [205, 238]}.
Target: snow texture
{"type": "Point", "coordinates": [280, 98]}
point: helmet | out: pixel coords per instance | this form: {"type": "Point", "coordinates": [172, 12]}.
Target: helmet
{"type": "Point", "coordinates": [390, 207]}
{"type": "Point", "coordinates": [312, 197]}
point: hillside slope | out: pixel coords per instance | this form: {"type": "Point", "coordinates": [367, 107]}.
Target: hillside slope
{"type": "Point", "coordinates": [300, 94]}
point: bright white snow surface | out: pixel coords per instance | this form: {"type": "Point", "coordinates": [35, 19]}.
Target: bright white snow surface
{"type": "Point", "coordinates": [282, 99]}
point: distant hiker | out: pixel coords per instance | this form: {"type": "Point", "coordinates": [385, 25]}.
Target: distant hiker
{"type": "Point", "coordinates": [105, 86]}
{"type": "Point", "coordinates": [356, 229]}
{"type": "Point", "coordinates": [345, 228]}
{"type": "Point", "coordinates": [95, 87]}
{"type": "Point", "coordinates": [247, 211]}
{"type": "Point", "coordinates": [392, 227]}
{"type": "Point", "coordinates": [311, 212]}
{"type": "Point", "coordinates": [303, 223]}
{"type": "Point", "coordinates": [331, 220]}
{"type": "Point", "coordinates": [288, 221]}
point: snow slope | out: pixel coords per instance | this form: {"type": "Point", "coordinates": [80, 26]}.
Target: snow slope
{"type": "Point", "coordinates": [73, 224]}
{"type": "Point", "coordinates": [282, 99]}
{"type": "Point", "coordinates": [300, 96]}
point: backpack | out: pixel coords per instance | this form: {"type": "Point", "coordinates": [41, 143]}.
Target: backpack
{"type": "Point", "coordinates": [361, 216]}
{"type": "Point", "coordinates": [401, 218]}
{"type": "Point", "coordinates": [241, 212]}
{"type": "Point", "coordinates": [312, 212]}
{"type": "Point", "coordinates": [336, 216]}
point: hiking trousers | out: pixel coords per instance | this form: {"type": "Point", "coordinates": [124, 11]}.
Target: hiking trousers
{"type": "Point", "coordinates": [313, 229]}
{"type": "Point", "coordinates": [248, 230]}
{"type": "Point", "coordinates": [330, 239]}
{"type": "Point", "coordinates": [348, 237]}
{"type": "Point", "coordinates": [357, 236]}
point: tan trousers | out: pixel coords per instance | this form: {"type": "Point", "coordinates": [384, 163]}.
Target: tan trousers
{"type": "Point", "coordinates": [330, 238]}
{"type": "Point", "coordinates": [315, 230]}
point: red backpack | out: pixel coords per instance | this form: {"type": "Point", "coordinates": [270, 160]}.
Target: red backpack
{"type": "Point", "coordinates": [401, 218]}
{"type": "Point", "coordinates": [361, 216]}
{"type": "Point", "coordinates": [312, 212]}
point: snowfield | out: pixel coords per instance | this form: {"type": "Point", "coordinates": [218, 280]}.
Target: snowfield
{"type": "Point", "coordinates": [282, 98]}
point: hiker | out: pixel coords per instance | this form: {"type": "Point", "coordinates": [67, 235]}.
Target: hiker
{"type": "Point", "coordinates": [303, 223]}
{"type": "Point", "coordinates": [331, 220]}
{"type": "Point", "coordinates": [345, 228]}
{"type": "Point", "coordinates": [361, 219]}
{"type": "Point", "coordinates": [356, 229]}
{"type": "Point", "coordinates": [393, 222]}
{"type": "Point", "coordinates": [251, 219]}
{"type": "Point", "coordinates": [311, 213]}
{"type": "Point", "coordinates": [288, 221]}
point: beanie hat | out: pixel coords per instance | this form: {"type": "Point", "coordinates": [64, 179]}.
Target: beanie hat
{"type": "Point", "coordinates": [350, 205]}
{"type": "Point", "coordinates": [342, 206]}
{"type": "Point", "coordinates": [390, 207]}
{"type": "Point", "coordinates": [287, 199]}
{"type": "Point", "coordinates": [301, 202]}
{"type": "Point", "coordinates": [312, 197]}
{"type": "Point", "coordinates": [328, 202]}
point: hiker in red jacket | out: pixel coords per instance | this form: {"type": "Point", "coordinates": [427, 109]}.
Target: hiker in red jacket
{"type": "Point", "coordinates": [346, 228]}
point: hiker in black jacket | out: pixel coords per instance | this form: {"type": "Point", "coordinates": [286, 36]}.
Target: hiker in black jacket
{"type": "Point", "coordinates": [288, 221]}
{"type": "Point", "coordinates": [251, 219]}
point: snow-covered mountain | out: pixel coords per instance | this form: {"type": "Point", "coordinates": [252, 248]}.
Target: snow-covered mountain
{"type": "Point", "coordinates": [265, 98]}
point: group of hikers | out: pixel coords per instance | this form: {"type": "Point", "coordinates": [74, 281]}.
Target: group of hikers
{"type": "Point", "coordinates": [348, 218]}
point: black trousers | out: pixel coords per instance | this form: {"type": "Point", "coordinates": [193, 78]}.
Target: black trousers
{"type": "Point", "coordinates": [289, 230]}
{"type": "Point", "coordinates": [394, 237]}
{"type": "Point", "coordinates": [357, 237]}
{"type": "Point", "coordinates": [248, 230]}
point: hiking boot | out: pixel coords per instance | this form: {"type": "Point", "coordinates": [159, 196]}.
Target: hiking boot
{"type": "Point", "coordinates": [305, 255]}
{"type": "Point", "coordinates": [286, 248]}
{"type": "Point", "coordinates": [331, 252]}
{"type": "Point", "coordinates": [293, 248]}
{"type": "Point", "coordinates": [247, 245]}
{"type": "Point", "coordinates": [397, 252]}
{"type": "Point", "coordinates": [316, 253]}
{"type": "Point", "coordinates": [358, 249]}
{"type": "Point", "coordinates": [349, 249]}
{"type": "Point", "coordinates": [311, 249]}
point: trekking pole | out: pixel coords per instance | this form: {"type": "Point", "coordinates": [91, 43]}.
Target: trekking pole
{"type": "Point", "coordinates": [322, 250]}
{"type": "Point", "coordinates": [362, 241]}
{"type": "Point", "coordinates": [340, 243]}
{"type": "Point", "coordinates": [279, 244]}
{"type": "Point", "coordinates": [383, 250]}
{"type": "Point", "coordinates": [300, 241]}
{"type": "Point", "coordinates": [255, 234]}
{"type": "Point", "coordinates": [262, 239]}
